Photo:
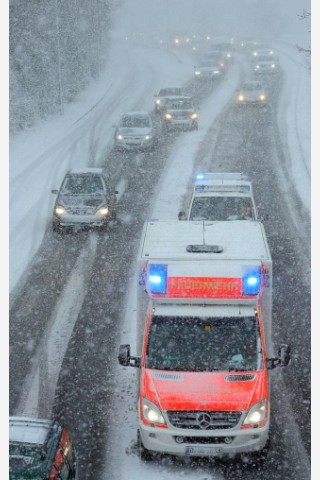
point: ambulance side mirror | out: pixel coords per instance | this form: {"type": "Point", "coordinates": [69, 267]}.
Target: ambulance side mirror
{"type": "Point", "coordinates": [282, 360]}
{"type": "Point", "coordinates": [182, 215]}
{"type": "Point", "coordinates": [125, 359]}
{"type": "Point", "coordinates": [284, 355]}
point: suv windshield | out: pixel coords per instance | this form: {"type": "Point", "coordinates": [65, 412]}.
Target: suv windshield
{"type": "Point", "coordinates": [138, 121]}
{"type": "Point", "coordinates": [193, 344]}
{"type": "Point", "coordinates": [165, 92]}
{"type": "Point", "coordinates": [179, 104]}
{"type": "Point", "coordinates": [82, 185]}
{"type": "Point", "coordinates": [222, 208]}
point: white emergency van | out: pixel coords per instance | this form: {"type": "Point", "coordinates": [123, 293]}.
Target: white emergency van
{"type": "Point", "coordinates": [204, 338]}
{"type": "Point", "coordinates": [221, 196]}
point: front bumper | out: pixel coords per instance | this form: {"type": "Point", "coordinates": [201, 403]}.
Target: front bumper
{"type": "Point", "coordinates": [81, 220]}
{"type": "Point", "coordinates": [134, 144]}
{"type": "Point", "coordinates": [200, 443]}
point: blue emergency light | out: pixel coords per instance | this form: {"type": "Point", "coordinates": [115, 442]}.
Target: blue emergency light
{"type": "Point", "coordinates": [157, 278]}
{"type": "Point", "coordinates": [251, 282]}
{"type": "Point", "coordinates": [200, 176]}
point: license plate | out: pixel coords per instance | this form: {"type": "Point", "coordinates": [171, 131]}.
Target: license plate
{"type": "Point", "coordinates": [205, 451]}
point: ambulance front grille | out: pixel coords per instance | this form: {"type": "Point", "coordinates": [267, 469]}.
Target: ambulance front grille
{"type": "Point", "coordinates": [204, 420]}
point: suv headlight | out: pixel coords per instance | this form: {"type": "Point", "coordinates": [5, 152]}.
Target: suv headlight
{"type": "Point", "coordinates": [151, 412]}
{"type": "Point", "coordinates": [256, 414]}
{"type": "Point", "coordinates": [103, 210]}
{"type": "Point", "coordinates": [59, 210]}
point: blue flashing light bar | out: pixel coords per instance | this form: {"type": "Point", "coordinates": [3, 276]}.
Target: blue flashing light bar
{"type": "Point", "coordinates": [157, 278]}
{"type": "Point", "coordinates": [251, 282]}
{"type": "Point", "coordinates": [200, 176]}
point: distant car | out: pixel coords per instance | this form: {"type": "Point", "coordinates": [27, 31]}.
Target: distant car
{"type": "Point", "coordinates": [179, 113]}
{"type": "Point", "coordinates": [208, 70]}
{"type": "Point", "coordinates": [265, 64]}
{"type": "Point", "coordinates": [262, 49]}
{"type": "Point", "coordinates": [221, 197]}
{"type": "Point", "coordinates": [136, 131]}
{"type": "Point", "coordinates": [251, 93]}
{"type": "Point", "coordinates": [226, 50]}
{"type": "Point", "coordinates": [85, 199]}
{"type": "Point", "coordinates": [40, 449]}
{"type": "Point", "coordinates": [163, 94]}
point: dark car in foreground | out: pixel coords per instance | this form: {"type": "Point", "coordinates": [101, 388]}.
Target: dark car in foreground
{"type": "Point", "coordinates": [85, 199]}
{"type": "Point", "coordinates": [40, 450]}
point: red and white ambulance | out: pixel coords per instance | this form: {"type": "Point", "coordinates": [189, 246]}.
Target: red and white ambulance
{"type": "Point", "coordinates": [204, 338]}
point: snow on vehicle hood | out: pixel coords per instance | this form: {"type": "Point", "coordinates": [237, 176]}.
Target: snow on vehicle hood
{"type": "Point", "coordinates": [198, 390]}
{"type": "Point", "coordinates": [134, 131]}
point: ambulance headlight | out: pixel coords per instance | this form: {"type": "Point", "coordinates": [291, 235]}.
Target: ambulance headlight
{"type": "Point", "coordinates": [251, 282]}
{"type": "Point", "coordinates": [157, 278]}
{"type": "Point", "coordinates": [256, 414]}
{"type": "Point", "coordinates": [152, 413]}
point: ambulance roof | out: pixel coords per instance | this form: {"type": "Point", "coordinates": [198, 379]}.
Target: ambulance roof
{"type": "Point", "coordinates": [199, 240]}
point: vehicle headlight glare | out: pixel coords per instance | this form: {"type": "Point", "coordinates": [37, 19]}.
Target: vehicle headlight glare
{"type": "Point", "coordinates": [158, 102]}
{"type": "Point", "coordinates": [273, 66]}
{"type": "Point", "coordinates": [240, 98]}
{"type": "Point", "coordinates": [60, 210]}
{"type": "Point", "coordinates": [256, 414]}
{"type": "Point", "coordinates": [262, 97]}
{"type": "Point", "coordinates": [151, 412]}
{"type": "Point", "coordinates": [147, 137]}
{"type": "Point", "coordinates": [197, 72]}
{"type": "Point", "coordinates": [194, 116]}
{"type": "Point", "coordinates": [119, 137]}
{"type": "Point", "coordinates": [168, 116]}
{"type": "Point", "coordinates": [103, 210]}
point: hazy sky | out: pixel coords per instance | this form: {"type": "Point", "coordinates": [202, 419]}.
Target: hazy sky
{"type": "Point", "coordinates": [262, 18]}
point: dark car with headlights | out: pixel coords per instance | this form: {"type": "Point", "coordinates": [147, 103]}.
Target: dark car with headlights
{"type": "Point", "coordinates": [136, 131]}
{"type": "Point", "coordinates": [85, 199]}
{"type": "Point", "coordinates": [179, 113]}
{"type": "Point", "coordinates": [40, 450]}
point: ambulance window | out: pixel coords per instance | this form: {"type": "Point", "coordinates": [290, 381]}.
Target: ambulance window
{"type": "Point", "coordinates": [196, 344]}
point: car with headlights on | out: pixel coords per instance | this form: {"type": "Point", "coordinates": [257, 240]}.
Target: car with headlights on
{"type": "Point", "coordinates": [251, 93]}
{"type": "Point", "coordinates": [179, 113]}
{"type": "Point", "coordinates": [163, 94]}
{"type": "Point", "coordinates": [136, 131]}
{"type": "Point", "coordinates": [208, 70]}
{"type": "Point", "coordinates": [85, 200]}
{"type": "Point", "coordinates": [265, 63]}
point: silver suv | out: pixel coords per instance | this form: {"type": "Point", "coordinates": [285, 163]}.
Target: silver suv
{"type": "Point", "coordinates": [85, 199]}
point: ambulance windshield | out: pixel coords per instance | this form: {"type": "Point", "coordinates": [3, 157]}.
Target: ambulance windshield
{"type": "Point", "coordinates": [221, 208]}
{"type": "Point", "coordinates": [194, 344]}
